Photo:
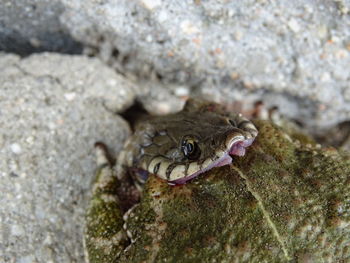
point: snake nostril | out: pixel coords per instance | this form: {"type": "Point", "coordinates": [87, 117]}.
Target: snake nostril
{"type": "Point", "coordinates": [233, 123]}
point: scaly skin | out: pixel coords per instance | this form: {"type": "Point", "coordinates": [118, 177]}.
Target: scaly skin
{"type": "Point", "coordinates": [284, 201]}
{"type": "Point", "coordinates": [158, 144]}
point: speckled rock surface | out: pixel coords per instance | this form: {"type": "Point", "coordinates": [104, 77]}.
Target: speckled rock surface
{"type": "Point", "coordinates": [28, 26]}
{"type": "Point", "coordinates": [285, 201]}
{"type": "Point", "coordinates": [54, 107]}
{"type": "Point", "coordinates": [293, 54]}
{"type": "Point", "coordinates": [51, 114]}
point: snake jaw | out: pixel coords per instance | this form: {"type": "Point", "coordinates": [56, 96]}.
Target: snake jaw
{"type": "Point", "coordinates": [223, 160]}
{"type": "Point", "coordinates": [236, 147]}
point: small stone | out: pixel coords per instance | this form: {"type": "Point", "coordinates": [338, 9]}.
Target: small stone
{"type": "Point", "coordinates": [188, 28]}
{"type": "Point", "coordinates": [230, 13]}
{"type": "Point", "coordinates": [35, 42]}
{"type": "Point", "coordinates": [181, 91]}
{"type": "Point", "coordinates": [234, 75]}
{"type": "Point", "coordinates": [238, 35]}
{"type": "Point", "coordinates": [294, 25]}
{"type": "Point", "coordinates": [326, 76]}
{"type": "Point", "coordinates": [151, 4]}
{"type": "Point", "coordinates": [342, 53]}
{"type": "Point", "coordinates": [163, 16]}
{"type": "Point", "coordinates": [70, 96]}
{"type": "Point", "coordinates": [17, 230]}
{"type": "Point", "coordinates": [30, 140]}
{"type": "Point", "coordinates": [48, 240]}
{"type": "Point", "coordinates": [322, 31]}
{"type": "Point", "coordinates": [26, 259]}
{"type": "Point", "coordinates": [16, 148]}
{"type": "Point", "coordinates": [335, 39]}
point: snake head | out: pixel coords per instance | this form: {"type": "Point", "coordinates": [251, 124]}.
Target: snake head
{"type": "Point", "coordinates": [216, 148]}
{"type": "Point", "coordinates": [186, 144]}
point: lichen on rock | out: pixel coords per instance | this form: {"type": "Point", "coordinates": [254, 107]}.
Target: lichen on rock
{"type": "Point", "coordinates": [283, 200]}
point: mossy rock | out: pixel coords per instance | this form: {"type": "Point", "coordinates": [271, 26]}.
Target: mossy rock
{"type": "Point", "coordinates": [284, 201]}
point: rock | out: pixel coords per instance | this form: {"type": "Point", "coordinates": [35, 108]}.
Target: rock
{"type": "Point", "coordinates": [51, 115]}
{"type": "Point", "coordinates": [291, 55]}
{"type": "Point", "coordinates": [28, 26]}
{"type": "Point", "coordinates": [52, 106]}
{"type": "Point", "coordinates": [284, 201]}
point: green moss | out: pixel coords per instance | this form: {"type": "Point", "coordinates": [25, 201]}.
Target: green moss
{"type": "Point", "coordinates": [284, 200]}
{"type": "Point", "coordinates": [296, 194]}
{"type": "Point", "coordinates": [214, 221]}
{"type": "Point", "coordinates": [104, 220]}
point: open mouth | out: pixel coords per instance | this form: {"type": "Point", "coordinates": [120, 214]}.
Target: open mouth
{"type": "Point", "coordinates": [236, 148]}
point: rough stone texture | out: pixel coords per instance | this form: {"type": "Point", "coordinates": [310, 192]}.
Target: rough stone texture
{"type": "Point", "coordinates": [28, 26]}
{"type": "Point", "coordinates": [293, 54]}
{"type": "Point", "coordinates": [51, 115]}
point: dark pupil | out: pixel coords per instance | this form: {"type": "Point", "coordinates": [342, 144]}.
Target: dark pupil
{"type": "Point", "coordinates": [190, 147]}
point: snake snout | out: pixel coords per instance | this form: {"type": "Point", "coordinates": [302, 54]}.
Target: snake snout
{"type": "Point", "coordinates": [236, 144]}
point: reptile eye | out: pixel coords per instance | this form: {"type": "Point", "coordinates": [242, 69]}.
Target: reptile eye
{"type": "Point", "coordinates": [190, 149]}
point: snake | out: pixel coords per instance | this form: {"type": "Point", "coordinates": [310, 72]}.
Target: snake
{"type": "Point", "coordinates": [180, 146]}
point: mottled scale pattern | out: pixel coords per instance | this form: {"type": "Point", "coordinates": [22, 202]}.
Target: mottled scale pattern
{"type": "Point", "coordinates": [156, 143]}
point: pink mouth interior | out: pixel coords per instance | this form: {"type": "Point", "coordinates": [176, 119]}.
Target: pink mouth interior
{"type": "Point", "coordinates": [237, 148]}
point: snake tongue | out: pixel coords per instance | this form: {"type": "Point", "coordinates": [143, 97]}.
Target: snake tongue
{"type": "Point", "coordinates": [238, 148]}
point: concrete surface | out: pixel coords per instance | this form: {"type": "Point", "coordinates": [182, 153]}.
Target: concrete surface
{"type": "Point", "coordinates": [51, 115]}
{"type": "Point", "coordinates": [28, 26]}
{"type": "Point", "coordinates": [290, 54]}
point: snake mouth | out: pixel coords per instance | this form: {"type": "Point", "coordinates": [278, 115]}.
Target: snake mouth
{"type": "Point", "coordinates": [239, 147]}
{"type": "Point", "coordinates": [236, 147]}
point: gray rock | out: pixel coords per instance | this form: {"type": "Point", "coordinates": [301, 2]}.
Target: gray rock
{"type": "Point", "coordinates": [51, 115]}
{"type": "Point", "coordinates": [28, 26]}
{"type": "Point", "coordinates": [291, 54]}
